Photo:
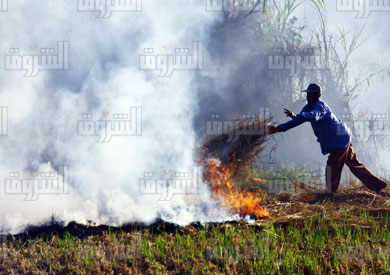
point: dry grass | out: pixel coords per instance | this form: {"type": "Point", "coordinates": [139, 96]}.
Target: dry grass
{"type": "Point", "coordinates": [242, 142]}
{"type": "Point", "coordinates": [346, 234]}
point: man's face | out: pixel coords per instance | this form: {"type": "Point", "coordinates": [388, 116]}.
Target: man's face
{"type": "Point", "coordinates": [312, 97]}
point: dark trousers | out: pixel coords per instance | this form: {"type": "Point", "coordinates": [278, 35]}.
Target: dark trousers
{"type": "Point", "coordinates": [335, 165]}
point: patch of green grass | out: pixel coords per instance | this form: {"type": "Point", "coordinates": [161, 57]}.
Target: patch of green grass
{"type": "Point", "coordinates": [315, 246]}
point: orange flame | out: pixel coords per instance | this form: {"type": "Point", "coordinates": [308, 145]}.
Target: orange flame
{"type": "Point", "coordinates": [243, 203]}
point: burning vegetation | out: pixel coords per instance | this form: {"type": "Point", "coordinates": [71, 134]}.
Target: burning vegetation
{"type": "Point", "coordinates": [226, 156]}
{"type": "Point", "coordinates": [223, 185]}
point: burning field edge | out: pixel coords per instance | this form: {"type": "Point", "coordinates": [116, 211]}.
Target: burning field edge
{"type": "Point", "coordinates": [285, 207]}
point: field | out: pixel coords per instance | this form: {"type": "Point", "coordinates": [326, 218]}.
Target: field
{"type": "Point", "coordinates": [347, 234]}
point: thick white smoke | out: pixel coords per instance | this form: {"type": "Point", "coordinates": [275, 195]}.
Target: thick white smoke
{"type": "Point", "coordinates": [103, 78]}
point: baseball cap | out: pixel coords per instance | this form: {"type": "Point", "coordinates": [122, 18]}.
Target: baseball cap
{"type": "Point", "coordinates": [313, 88]}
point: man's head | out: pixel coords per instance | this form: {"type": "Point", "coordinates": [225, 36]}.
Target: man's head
{"type": "Point", "coordinates": [314, 92]}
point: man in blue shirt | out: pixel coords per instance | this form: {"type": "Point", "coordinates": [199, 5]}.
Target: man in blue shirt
{"type": "Point", "coordinates": [335, 139]}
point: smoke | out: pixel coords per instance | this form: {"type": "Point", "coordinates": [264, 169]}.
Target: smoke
{"type": "Point", "coordinates": [103, 78]}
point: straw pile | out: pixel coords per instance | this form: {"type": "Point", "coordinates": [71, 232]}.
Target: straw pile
{"type": "Point", "coordinates": [239, 144]}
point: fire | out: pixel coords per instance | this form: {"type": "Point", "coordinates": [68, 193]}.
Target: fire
{"type": "Point", "coordinates": [243, 203]}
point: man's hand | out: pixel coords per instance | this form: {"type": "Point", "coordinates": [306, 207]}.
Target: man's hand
{"type": "Point", "coordinates": [272, 130]}
{"type": "Point", "coordinates": [290, 113]}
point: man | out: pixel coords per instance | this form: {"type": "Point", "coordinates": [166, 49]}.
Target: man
{"type": "Point", "coordinates": [334, 137]}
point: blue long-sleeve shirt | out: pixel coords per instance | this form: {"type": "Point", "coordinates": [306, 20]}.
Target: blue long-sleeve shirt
{"type": "Point", "coordinates": [331, 132]}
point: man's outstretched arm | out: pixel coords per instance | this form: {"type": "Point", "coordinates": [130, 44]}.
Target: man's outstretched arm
{"type": "Point", "coordinates": [288, 125]}
{"type": "Point", "coordinates": [294, 122]}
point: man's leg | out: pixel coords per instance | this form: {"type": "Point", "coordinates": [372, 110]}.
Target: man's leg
{"type": "Point", "coordinates": [362, 173]}
{"type": "Point", "coordinates": [334, 168]}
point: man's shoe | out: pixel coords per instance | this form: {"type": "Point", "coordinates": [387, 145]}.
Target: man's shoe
{"type": "Point", "coordinates": [324, 197]}
{"type": "Point", "coordinates": [379, 189]}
